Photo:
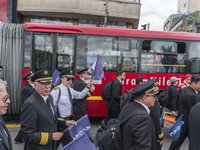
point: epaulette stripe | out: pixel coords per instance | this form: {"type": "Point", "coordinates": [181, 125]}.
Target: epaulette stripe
{"type": "Point", "coordinates": [60, 119]}
{"type": "Point", "coordinates": [89, 94]}
{"type": "Point", "coordinates": [161, 135]}
{"type": "Point", "coordinates": [44, 138]}
{"type": "Point", "coordinates": [55, 88]}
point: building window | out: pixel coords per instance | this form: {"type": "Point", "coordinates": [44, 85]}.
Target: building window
{"type": "Point", "coordinates": [51, 20]}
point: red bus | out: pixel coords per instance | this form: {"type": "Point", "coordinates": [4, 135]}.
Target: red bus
{"type": "Point", "coordinates": [138, 52]}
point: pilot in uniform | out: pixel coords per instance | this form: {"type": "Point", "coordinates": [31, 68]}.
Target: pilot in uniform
{"type": "Point", "coordinates": [138, 132]}
{"type": "Point", "coordinates": [38, 118]}
{"type": "Point", "coordinates": [27, 91]}
{"type": "Point", "coordinates": [63, 96]}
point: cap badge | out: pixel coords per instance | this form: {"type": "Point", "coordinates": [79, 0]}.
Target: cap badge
{"type": "Point", "coordinates": [45, 72]}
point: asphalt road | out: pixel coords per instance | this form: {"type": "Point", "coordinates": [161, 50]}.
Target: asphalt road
{"type": "Point", "coordinates": [14, 127]}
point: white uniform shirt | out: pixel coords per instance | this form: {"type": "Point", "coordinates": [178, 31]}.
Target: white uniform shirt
{"type": "Point", "coordinates": [64, 105]}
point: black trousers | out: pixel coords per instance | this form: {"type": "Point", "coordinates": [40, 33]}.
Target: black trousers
{"type": "Point", "coordinates": [111, 114]}
{"type": "Point", "coordinates": [176, 145]}
{"type": "Point", "coordinates": [66, 138]}
{"type": "Point", "coordinates": [19, 136]}
{"type": "Point", "coordinates": [78, 116]}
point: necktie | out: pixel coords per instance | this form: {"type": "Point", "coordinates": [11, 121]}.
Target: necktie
{"type": "Point", "coordinates": [70, 97]}
{"type": "Point", "coordinates": [49, 105]}
{"type": "Point", "coordinates": [3, 134]}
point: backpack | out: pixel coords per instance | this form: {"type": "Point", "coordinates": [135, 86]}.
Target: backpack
{"type": "Point", "coordinates": [126, 98]}
{"type": "Point", "coordinates": [109, 137]}
{"type": "Point", "coordinates": [106, 92]}
{"type": "Point", "coordinates": [164, 98]}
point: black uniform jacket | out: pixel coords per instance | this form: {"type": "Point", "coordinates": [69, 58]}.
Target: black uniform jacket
{"type": "Point", "coordinates": [138, 132]}
{"type": "Point", "coordinates": [173, 94]}
{"type": "Point", "coordinates": [186, 102]}
{"type": "Point", "coordinates": [114, 103]}
{"type": "Point", "coordinates": [38, 123]}
{"type": "Point", "coordinates": [155, 115]}
{"type": "Point", "coordinates": [194, 124]}
{"type": "Point", "coordinates": [80, 105]}
{"type": "Point", "coordinates": [3, 145]}
{"type": "Point", "coordinates": [27, 90]}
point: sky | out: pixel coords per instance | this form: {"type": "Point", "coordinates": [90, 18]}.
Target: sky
{"type": "Point", "coordinates": [156, 12]}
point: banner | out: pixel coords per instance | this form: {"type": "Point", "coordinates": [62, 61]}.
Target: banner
{"type": "Point", "coordinates": [80, 143]}
{"type": "Point", "coordinates": [55, 78]}
{"type": "Point", "coordinates": [177, 129]}
{"type": "Point", "coordinates": [82, 127]}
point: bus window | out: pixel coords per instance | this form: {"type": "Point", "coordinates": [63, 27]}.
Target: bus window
{"type": "Point", "coordinates": [128, 58]}
{"type": "Point", "coordinates": [43, 46]}
{"type": "Point", "coordinates": [163, 47]}
{"type": "Point", "coordinates": [163, 63]}
{"type": "Point", "coordinates": [65, 51]}
{"type": "Point", "coordinates": [194, 60]}
{"type": "Point", "coordinates": [102, 46]}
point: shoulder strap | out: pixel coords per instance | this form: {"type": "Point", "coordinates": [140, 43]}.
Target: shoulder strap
{"type": "Point", "coordinates": [125, 118]}
{"type": "Point", "coordinates": [56, 106]}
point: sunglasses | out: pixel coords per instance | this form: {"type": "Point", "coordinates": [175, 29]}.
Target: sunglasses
{"type": "Point", "coordinates": [68, 79]}
{"type": "Point", "coordinates": [5, 98]}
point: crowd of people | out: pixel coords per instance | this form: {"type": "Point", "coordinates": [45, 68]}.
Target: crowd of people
{"type": "Point", "coordinates": [46, 111]}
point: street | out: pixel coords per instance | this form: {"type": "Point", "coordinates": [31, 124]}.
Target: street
{"type": "Point", "coordinates": [14, 127]}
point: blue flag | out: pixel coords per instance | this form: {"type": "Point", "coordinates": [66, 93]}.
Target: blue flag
{"type": "Point", "coordinates": [177, 128]}
{"type": "Point", "coordinates": [96, 69]}
{"type": "Point", "coordinates": [82, 126]}
{"type": "Point", "coordinates": [55, 78]}
{"type": "Point", "coordinates": [81, 143]}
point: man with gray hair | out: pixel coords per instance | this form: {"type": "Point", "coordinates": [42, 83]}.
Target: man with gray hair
{"type": "Point", "coordinates": [5, 137]}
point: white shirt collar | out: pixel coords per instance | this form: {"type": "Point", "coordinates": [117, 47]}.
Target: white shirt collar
{"type": "Point", "coordinates": [145, 106]}
{"type": "Point", "coordinates": [44, 97]}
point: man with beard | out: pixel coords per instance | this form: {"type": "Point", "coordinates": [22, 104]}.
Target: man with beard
{"type": "Point", "coordinates": [63, 96]}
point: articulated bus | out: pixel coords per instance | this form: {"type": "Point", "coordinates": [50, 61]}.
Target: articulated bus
{"type": "Point", "coordinates": [140, 53]}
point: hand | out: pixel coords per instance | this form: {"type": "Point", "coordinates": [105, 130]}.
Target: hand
{"type": "Point", "coordinates": [57, 136]}
{"type": "Point", "coordinates": [161, 142]}
{"type": "Point", "coordinates": [173, 113]}
{"type": "Point", "coordinates": [92, 88]}
{"type": "Point", "coordinates": [70, 122]}
{"type": "Point", "coordinates": [90, 83]}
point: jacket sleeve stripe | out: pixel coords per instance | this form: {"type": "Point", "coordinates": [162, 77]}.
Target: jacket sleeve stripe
{"type": "Point", "coordinates": [60, 119]}
{"type": "Point", "coordinates": [161, 135]}
{"type": "Point", "coordinates": [44, 138]}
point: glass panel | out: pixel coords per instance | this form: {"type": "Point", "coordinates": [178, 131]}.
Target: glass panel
{"type": "Point", "coordinates": [158, 63]}
{"type": "Point", "coordinates": [128, 59]}
{"type": "Point", "coordinates": [43, 46]}
{"type": "Point", "coordinates": [163, 47]}
{"type": "Point", "coordinates": [102, 46]}
{"type": "Point", "coordinates": [194, 59]}
{"type": "Point", "coordinates": [65, 49]}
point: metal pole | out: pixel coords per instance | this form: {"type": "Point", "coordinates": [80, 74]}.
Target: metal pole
{"type": "Point", "coordinates": [106, 14]}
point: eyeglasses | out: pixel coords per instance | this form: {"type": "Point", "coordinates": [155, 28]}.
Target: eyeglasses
{"type": "Point", "coordinates": [5, 98]}
{"type": "Point", "coordinates": [151, 95]}
{"type": "Point", "coordinates": [68, 79]}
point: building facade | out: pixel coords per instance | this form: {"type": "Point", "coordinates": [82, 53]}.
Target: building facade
{"type": "Point", "coordinates": [122, 13]}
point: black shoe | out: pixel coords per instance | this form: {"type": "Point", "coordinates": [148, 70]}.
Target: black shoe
{"type": "Point", "coordinates": [19, 140]}
{"type": "Point", "coordinates": [92, 140]}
